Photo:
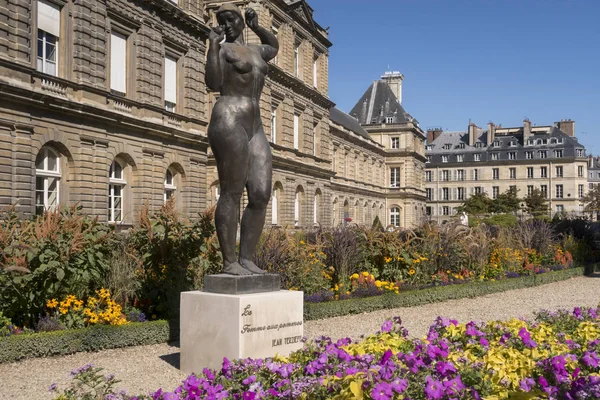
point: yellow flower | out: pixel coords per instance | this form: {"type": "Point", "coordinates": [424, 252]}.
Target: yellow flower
{"type": "Point", "coordinates": [365, 274]}
{"type": "Point", "coordinates": [63, 310]}
{"type": "Point", "coordinates": [388, 259]}
{"type": "Point", "coordinates": [354, 276]}
{"type": "Point", "coordinates": [412, 271]}
{"type": "Point", "coordinates": [302, 242]}
{"type": "Point", "coordinates": [52, 303]}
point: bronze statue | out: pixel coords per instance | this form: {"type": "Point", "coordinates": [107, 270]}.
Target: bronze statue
{"type": "Point", "coordinates": [236, 135]}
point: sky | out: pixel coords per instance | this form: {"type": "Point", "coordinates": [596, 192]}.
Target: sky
{"type": "Point", "coordinates": [480, 60]}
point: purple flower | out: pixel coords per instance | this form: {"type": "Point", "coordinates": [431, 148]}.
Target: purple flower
{"type": "Point", "coordinates": [387, 326]}
{"type": "Point", "coordinates": [526, 337]}
{"type": "Point", "coordinates": [248, 395]}
{"type": "Point", "coordinates": [52, 387]}
{"type": "Point", "coordinates": [249, 380]}
{"type": "Point", "coordinates": [382, 391]}
{"type": "Point", "coordinates": [399, 385]}
{"type": "Point", "coordinates": [454, 386]}
{"type": "Point", "coordinates": [443, 368]}
{"type": "Point", "coordinates": [527, 384]}
{"type": "Point", "coordinates": [590, 359]}
{"type": "Point", "coordinates": [434, 389]}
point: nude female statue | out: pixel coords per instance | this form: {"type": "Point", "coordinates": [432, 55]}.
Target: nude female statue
{"type": "Point", "coordinates": [236, 133]}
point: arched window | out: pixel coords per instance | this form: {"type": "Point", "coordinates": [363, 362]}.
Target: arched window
{"type": "Point", "coordinates": [395, 216]}
{"type": "Point", "coordinates": [170, 186]}
{"type": "Point", "coordinates": [316, 206]}
{"type": "Point", "coordinates": [275, 204]}
{"type": "Point", "coordinates": [334, 211]}
{"type": "Point", "coordinates": [347, 212]}
{"type": "Point", "coordinates": [47, 179]}
{"type": "Point", "coordinates": [116, 189]}
{"type": "Point", "coordinates": [298, 206]}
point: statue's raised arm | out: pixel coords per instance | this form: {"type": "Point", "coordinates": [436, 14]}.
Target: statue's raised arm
{"type": "Point", "coordinates": [270, 45]}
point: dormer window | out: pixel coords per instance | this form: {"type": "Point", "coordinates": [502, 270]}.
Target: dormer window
{"type": "Point", "coordinates": [429, 147]}
{"type": "Point", "coordinates": [530, 142]}
{"type": "Point", "coordinates": [444, 159]}
{"type": "Point", "coordinates": [559, 140]}
{"type": "Point", "coordinates": [477, 157]}
{"type": "Point", "coordinates": [512, 143]}
{"type": "Point", "coordinates": [494, 156]}
{"type": "Point", "coordinates": [580, 153]}
{"type": "Point", "coordinates": [447, 146]}
{"type": "Point", "coordinates": [539, 141]}
{"type": "Point", "coordinates": [478, 145]}
{"type": "Point", "coordinates": [459, 158]}
{"type": "Point", "coordinates": [496, 144]}
{"type": "Point", "coordinates": [460, 146]}
{"type": "Point", "coordinates": [389, 120]}
{"type": "Point", "coordinates": [558, 153]}
{"type": "Point", "coordinates": [552, 141]}
{"type": "Point", "coordinates": [512, 155]}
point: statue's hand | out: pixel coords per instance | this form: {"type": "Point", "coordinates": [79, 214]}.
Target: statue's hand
{"type": "Point", "coordinates": [217, 34]}
{"type": "Point", "coordinates": [251, 19]}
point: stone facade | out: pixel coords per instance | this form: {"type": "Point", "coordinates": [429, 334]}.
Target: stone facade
{"type": "Point", "coordinates": [548, 158]}
{"type": "Point", "coordinates": [106, 107]}
{"type": "Point", "coordinates": [62, 132]}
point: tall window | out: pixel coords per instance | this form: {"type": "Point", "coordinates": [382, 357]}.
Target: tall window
{"type": "Point", "coordinates": [475, 174]}
{"type": "Point", "coordinates": [580, 191]}
{"type": "Point", "coordinates": [513, 173]}
{"type": "Point", "coordinates": [580, 171]}
{"type": "Point", "coordinates": [559, 191]}
{"type": "Point", "coordinates": [460, 193]}
{"type": "Point", "coordinates": [529, 190]}
{"type": "Point", "coordinates": [116, 188]}
{"type": "Point", "coordinates": [496, 173]}
{"type": "Point", "coordinates": [529, 172]}
{"type": "Point", "coordinates": [395, 216]}
{"type": "Point", "coordinates": [315, 71]}
{"type": "Point", "coordinates": [316, 201]}
{"type": "Point", "coordinates": [395, 142]}
{"type": "Point", "coordinates": [445, 175]}
{"type": "Point", "coordinates": [273, 125]}
{"type": "Point", "coordinates": [445, 194]}
{"type": "Point", "coordinates": [315, 139]}
{"type": "Point", "coordinates": [559, 172]}
{"type": "Point", "coordinates": [297, 204]}
{"type": "Point", "coordinates": [170, 186]}
{"type": "Point", "coordinates": [47, 178]}
{"type": "Point", "coordinates": [495, 192]}
{"type": "Point", "coordinates": [296, 131]}
{"type": "Point", "coordinates": [428, 176]}
{"type": "Point", "coordinates": [395, 177]}
{"type": "Point", "coordinates": [48, 19]}
{"type": "Point", "coordinates": [544, 190]}
{"type": "Point", "coordinates": [118, 62]}
{"type": "Point", "coordinates": [297, 60]}
{"type": "Point", "coordinates": [170, 84]}
{"type": "Point", "coordinates": [460, 175]}
{"type": "Point", "coordinates": [429, 193]}
{"type": "Point", "coordinates": [543, 172]}
{"type": "Point", "coordinates": [275, 207]}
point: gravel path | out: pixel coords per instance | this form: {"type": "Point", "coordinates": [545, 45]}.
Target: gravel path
{"type": "Point", "coordinates": [146, 368]}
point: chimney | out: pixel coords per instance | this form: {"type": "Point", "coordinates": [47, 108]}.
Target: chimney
{"type": "Point", "coordinates": [567, 126]}
{"type": "Point", "coordinates": [394, 80]}
{"type": "Point", "coordinates": [491, 133]}
{"type": "Point", "coordinates": [432, 134]}
{"type": "Point", "coordinates": [526, 130]}
{"type": "Point", "coordinates": [473, 131]}
{"type": "Point", "coordinates": [590, 161]}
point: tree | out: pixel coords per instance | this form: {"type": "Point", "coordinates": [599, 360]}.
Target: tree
{"type": "Point", "coordinates": [506, 202]}
{"type": "Point", "coordinates": [477, 204]}
{"type": "Point", "coordinates": [592, 201]}
{"type": "Point", "coordinates": [536, 203]}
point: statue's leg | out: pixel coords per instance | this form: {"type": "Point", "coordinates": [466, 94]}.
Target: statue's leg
{"type": "Point", "coordinates": [259, 193]}
{"type": "Point", "coordinates": [230, 147]}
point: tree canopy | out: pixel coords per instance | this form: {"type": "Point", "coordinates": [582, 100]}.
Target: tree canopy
{"type": "Point", "coordinates": [536, 203]}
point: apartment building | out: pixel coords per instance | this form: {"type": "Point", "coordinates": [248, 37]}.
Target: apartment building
{"type": "Point", "coordinates": [548, 158]}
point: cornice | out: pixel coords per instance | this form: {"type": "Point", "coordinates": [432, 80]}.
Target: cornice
{"type": "Point", "coordinates": [504, 163]}
{"type": "Point", "coordinates": [413, 154]}
{"type": "Point", "coordinates": [278, 75]}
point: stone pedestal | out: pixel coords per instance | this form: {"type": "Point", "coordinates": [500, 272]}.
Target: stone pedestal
{"type": "Point", "coordinates": [258, 325]}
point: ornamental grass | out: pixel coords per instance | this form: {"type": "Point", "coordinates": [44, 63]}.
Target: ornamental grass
{"type": "Point", "coordinates": [553, 356]}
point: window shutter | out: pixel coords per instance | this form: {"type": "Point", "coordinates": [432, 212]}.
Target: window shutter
{"type": "Point", "coordinates": [170, 80]}
{"type": "Point", "coordinates": [454, 194]}
{"type": "Point", "coordinates": [118, 62]}
{"type": "Point", "coordinates": [49, 18]}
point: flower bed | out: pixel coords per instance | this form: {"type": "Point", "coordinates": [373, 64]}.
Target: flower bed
{"type": "Point", "coordinates": [554, 356]}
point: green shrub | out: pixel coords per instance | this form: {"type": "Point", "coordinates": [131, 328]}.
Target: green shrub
{"type": "Point", "coordinates": [56, 254]}
{"type": "Point", "coordinates": [172, 254]}
{"type": "Point", "coordinates": [95, 338]}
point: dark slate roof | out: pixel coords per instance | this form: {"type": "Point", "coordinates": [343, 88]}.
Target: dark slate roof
{"type": "Point", "coordinates": [553, 139]}
{"type": "Point", "coordinates": [377, 103]}
{"type": "Point", "coordinates": [339, 117]}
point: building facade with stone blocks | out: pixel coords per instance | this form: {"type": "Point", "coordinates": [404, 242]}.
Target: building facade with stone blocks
{"type": "Point", "coordinates": [104, 106]}
{"type": "Point", "coordinates": [295, 113]}
{"type": "Point", "coordinates": [381, 114]}
{"type": "Point", "coordinates": [492, 161]}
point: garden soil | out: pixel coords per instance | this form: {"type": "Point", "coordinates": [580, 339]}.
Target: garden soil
{"type": "Point", "coordinates": [146, 368]}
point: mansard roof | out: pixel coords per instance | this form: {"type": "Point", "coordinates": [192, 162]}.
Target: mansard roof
{"type": "Point", "coordinates": [339, 117]}
{"type": "Point", "coordinates": [507, 140]}
{"type": "Point", "coordinates": [378, 103]}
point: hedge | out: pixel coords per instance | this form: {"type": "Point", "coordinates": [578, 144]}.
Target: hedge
{"type": "Point", "coordinates": [94, 338]}
{"type": "Point", "coordinates": [414, 298]}
{"type": "Point", "coordinates": [103, 337]}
